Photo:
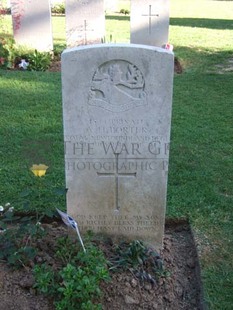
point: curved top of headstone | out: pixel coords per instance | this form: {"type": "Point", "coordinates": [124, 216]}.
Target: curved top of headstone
{"type": "Point", "coordinates": [117, 83]}
{"type": "Point", "coordinates": [115, 45]}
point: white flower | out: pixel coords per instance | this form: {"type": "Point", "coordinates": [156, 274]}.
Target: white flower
{"type": "Point", "coordinates": [7, 205]}
{"type": "Point", "coordinates": [1, 209]}
{"type": "Point", "coordinates": [23, 64]}
{"type": "Point", "coordinates": [11, 209]}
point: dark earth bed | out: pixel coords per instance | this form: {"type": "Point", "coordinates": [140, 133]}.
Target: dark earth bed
{"type": "Point", "coordinates": [181, 289]}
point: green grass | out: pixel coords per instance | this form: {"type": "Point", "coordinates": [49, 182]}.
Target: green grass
{"type": "Point", "coordinates": [201, 161]}
{"type": "Point", "coordinates": [118, 28]}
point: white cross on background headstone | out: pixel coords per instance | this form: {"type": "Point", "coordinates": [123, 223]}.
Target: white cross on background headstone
{"type": "Point", "coordinates": [150, 15]}
{"type": "Point", "coordinates": [86, 30]}
{"type": "Point", "coordinates": [81, 15]}
{"type": "Point", "coordinates": [149, 22]}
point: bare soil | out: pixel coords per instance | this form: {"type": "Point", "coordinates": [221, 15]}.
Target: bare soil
{"type": "Point", "coordinates": [181, 289]}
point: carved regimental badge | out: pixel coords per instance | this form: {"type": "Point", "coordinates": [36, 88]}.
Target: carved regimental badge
{"type": "Point", "coordinates": [117, 86]}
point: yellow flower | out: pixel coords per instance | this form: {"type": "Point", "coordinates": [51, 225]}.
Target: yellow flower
{"type": "Point", "coordinates": [39, 170]}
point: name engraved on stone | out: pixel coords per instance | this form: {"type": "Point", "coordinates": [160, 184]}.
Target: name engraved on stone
{"type": "Point", "coordinates": [150, 15]}
{"type": "Point", "coordinates": [116, 174]}
{"type": "Point", "coordinates": [117, 86]}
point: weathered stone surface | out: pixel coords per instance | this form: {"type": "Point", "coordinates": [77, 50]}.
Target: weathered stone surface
{"type": "Point", "coordinates": [32, 24]}
{"type": "Point", "coordinates": [149, 22]}
{"type": "Point", "coordinates": [85, 22]}
{"type": "Point", "coordinates": [111, 6]}
{"type": "Point", "coordinates": [117, 111]}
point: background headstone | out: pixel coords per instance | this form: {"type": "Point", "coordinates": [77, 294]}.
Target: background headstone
{"type": "Point", "coordinates": [85, 22]}
{"type": "Point", "coordinates": [32, 24]}
{"type": "Point", "coordinates": [110, 6]}
{"type": "Point", "coordinates": [149, 22]}
{"type": "Point", "coordinates": [54, 2]}
{"type": "Point", "coordinates": [117, 114]}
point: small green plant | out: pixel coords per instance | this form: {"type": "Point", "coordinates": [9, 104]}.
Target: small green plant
{"type": "Point", "coordinates": [12, 55]}
{"type": "Point", "coordinates": [57, 52]}
{"type": "Point", "coordinates": [8, 52]}
{"type": "Point", "coordinates": [129, 255]}
{"type": "Point", "coordinates": [17, 241]}
{"type": "Point", "coordinates": [76, 284]}
{"type": "Point", "coordinates": [39, 61]}
{"type": "Point", "coordinates": [79, 287]}
{"type": "Point", "coordinates": [58, 8]}
{"type": "Point", "coordinates": [45, 279]}
{"type": "Point", "coordinates": [3, 57]}
{"type": "Point", "coordinates": [105, 40]}
{"type": "Point", "coordinates": [124, 11]}
{"type": "Point", "coordinates": [66, 249]}
{"type": "Point", "coordinates": [144, 262]}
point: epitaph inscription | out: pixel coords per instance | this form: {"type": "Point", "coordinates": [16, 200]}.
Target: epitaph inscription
{"type": "Point", "coordinates": [117, 113]}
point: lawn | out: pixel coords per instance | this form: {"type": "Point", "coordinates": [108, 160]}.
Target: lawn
{"type": "Point", "coordinates": [201, 161]}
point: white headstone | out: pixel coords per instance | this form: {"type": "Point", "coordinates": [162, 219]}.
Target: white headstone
{"type": "Point", "coordinates": [149, 22]}
{"type": "Point", "coordinates": [111, 6]}
{"type": "Point", "coordinates": [117, 114]}
{"type": "Point", "coordinates": [85, 22]}
{"type": "Point", "coordinates": [32, 24]}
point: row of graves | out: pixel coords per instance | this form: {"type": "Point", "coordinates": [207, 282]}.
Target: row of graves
{"type": "Point", "coordinates": [85, 22]}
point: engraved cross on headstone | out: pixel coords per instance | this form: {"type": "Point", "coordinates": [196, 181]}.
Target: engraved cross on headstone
{"type": "Point", "coordinates": [150, 15]}
{"type": "Point", "coordinates": [116, 174]}
{"type": "Point", "coordinates": [86, 30]}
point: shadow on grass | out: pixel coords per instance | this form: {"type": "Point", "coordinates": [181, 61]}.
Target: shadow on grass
{"type": "Point", "coordinates": [202, 23]}
{"type": "Point", "coordinates": [191, 59]}
{"type": "Point", "coordinates": [117, 17]}
{"type": "Point", "coordinates": [187, 22]}
{"type": "Point", "coordinates": [204, 61]}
